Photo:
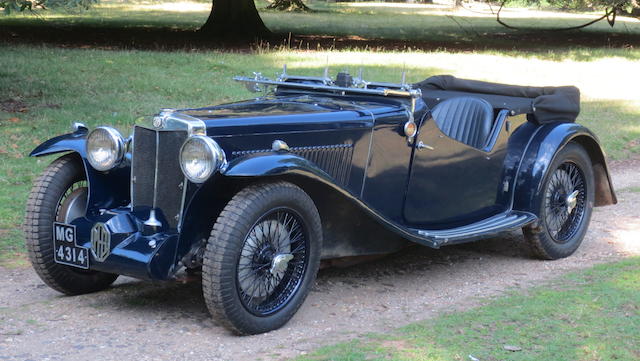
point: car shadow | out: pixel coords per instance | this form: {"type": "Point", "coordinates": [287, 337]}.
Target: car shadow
{"type": "Point", "coordinates": [183, 299]}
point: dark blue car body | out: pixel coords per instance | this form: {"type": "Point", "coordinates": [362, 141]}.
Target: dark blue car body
{"type": "Point", "coordinates": [375, 189]}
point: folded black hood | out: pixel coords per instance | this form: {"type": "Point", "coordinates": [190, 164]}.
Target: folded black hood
{"type": "Point", "coordinates": [547, 104]}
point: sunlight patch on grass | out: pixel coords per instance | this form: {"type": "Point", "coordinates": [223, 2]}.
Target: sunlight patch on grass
{"type": "Point", "coordinates": [177, 7]}
{"type": "Point", "coordinates": [594, 83]}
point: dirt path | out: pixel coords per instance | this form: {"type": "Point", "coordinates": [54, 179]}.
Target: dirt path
{"type": "Point", "coordinates": [145, 321]}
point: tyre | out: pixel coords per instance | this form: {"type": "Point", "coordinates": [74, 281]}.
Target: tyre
{"type": "Point", "coordinates": [59, 195]}
{"type": "Point", "coordinates": [566, 205]}
{"type": "Point", "coordinates": [262, 257]}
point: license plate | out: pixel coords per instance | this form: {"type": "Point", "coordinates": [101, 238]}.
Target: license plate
{"type": "Point", "coordinates": [66, 251]}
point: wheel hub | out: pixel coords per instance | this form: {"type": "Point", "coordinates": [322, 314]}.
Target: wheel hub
{"type": "Point", "coordinates": [572, 201]}
{"type": "Point", "coordinates": [565, 202]}
{"type": "Point", "coordinates": [280, 263]}
{"type": "Point", "coordinates": [73, 205]}
{"type": "Point", "coordinates": [272, 262]}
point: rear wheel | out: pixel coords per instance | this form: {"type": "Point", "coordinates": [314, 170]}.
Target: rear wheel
{"type": "Point", "coordinates": [262, 257]}
{"type": "Point", "coordinates": [565, 207]}
{"type": "Point", "coordinates": [59, 195]}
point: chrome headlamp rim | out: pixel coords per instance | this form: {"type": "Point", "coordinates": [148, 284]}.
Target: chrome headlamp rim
{"type": "Point", "coordinates": [217, 155]}
{"type": "Point", "coordinates": [118, 145]}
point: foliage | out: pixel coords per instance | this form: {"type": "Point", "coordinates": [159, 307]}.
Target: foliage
{"type": "Point", "coordinates": [10, 6]}
{"type": "Point", "coordinates": [624, 6]}
{"type": "Point", "coordinates": [288, 5]}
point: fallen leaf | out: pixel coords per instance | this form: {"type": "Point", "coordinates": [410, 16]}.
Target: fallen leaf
{"type": "Point", "coordinates": [512, 348]}
{"type": "Point", "coordinates": [14, 120]}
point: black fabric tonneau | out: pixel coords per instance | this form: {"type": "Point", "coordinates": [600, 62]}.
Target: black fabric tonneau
{"type": "Point", "coordinates": [547, 104]}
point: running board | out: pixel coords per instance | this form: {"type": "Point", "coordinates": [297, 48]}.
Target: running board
{"type": "Point", "coordinates": [490, 226]}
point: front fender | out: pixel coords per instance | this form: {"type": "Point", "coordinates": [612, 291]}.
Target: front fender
{"type": "Point", "coordinates": [275, 164]}
{"type": "Point", "coordinates": [106, 189]}
{"type": "Point", "coordinates": [208, 200]}
{"type": "Point", "coordinates": [72, 142]}
{"type": "Point", "coordinates": [541, 152]}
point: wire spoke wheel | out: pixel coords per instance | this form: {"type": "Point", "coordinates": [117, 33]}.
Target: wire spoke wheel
{"type": "Point", "coordinates": [272, 262]}
{"type": "Point", "coordinates": [564, 205]}
{"type": "Point", "coordinates": [565, 202]}
{"type": "Point", "coordinates": [262, 257]}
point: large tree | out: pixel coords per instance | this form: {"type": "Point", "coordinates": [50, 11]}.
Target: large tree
{"type": "Point", "coordinates": [234, 19]}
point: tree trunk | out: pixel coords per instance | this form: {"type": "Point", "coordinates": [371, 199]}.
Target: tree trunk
{"type": "Point", "coordinates": [288, 5]}
{"type": "Point", "coordinates": [234, 20]}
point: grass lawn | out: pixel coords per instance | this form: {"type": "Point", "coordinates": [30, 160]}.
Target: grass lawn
{"type": "Point", "coordinates": [590, 315]}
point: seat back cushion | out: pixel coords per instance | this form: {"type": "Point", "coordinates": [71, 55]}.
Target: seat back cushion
{"type": "Point", "coordinates": [466, 119]}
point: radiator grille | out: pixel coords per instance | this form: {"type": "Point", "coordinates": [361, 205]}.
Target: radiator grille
{"type": "Point", "coordinates": [334, 159]}
{"type": "Point", "coordinates": [158, 151]}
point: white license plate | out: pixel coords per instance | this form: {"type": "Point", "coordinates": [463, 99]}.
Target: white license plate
{"type": "Point", "coordinates": [65, 249]}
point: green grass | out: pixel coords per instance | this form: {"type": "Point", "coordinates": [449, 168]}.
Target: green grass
{"type": "Point", "coordinates": [49, 88]}
{"type": "Point", "coordinates": [631, 189]}
{"type": "Point", "coordinates": [589, 315]}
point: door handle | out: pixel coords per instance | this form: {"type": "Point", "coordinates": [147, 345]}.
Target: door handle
{"type": "Point", "coordinates": [421, 145]}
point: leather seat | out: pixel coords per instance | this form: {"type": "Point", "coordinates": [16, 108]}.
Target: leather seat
{"type": "Point", "coordinates": [466, 119]}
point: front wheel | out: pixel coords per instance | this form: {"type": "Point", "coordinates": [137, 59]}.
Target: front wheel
{"type": "Point", "coordinates": [566, 204]}
{"type": "Point", "coordinates": [262, 257]}
{"type": "Point", "coordinates": [59, 195]}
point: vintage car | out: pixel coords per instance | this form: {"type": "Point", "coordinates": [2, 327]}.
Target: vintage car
{"type": "Point", "coordinates": [256, 193]}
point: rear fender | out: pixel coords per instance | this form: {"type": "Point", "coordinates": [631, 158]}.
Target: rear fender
{"type": "Point", "coordinates": [106, 189]}
{"type": "Point", "coordinates": [541, 152]}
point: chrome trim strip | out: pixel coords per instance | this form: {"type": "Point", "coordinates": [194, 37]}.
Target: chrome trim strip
{"type": "Point", "coordinates": [238, 153]}
{"type": "Point", "coordinates": [185, 184]}
{"type": "Point", "coordinates": [366, 165]}
{"type": "Point", "coordinates": [155, 171]}
{"type": "Point", "coordinates": [132, 179]}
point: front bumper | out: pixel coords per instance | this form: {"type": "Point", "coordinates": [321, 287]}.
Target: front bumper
{"type": "Point", "coordinates": [136, 250]}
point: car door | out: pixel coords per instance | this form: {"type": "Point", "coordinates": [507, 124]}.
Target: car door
{"type": "Point", "coordinates": [450, 182]}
